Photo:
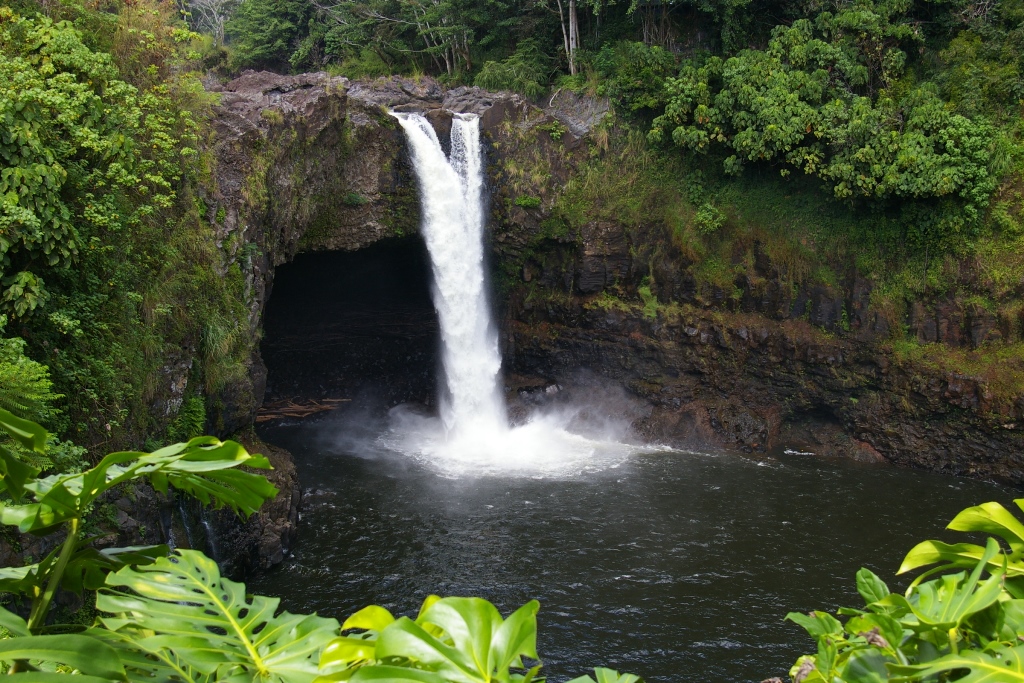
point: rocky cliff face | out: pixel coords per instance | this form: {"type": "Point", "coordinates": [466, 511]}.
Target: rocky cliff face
{"type": "Point", "coordinates": [312, 162]}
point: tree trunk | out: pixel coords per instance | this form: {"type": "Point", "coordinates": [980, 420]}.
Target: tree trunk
{"type": "Point", "coordinates": [565, 40]}
{"type": "Point", "coordinates": [574, 36]}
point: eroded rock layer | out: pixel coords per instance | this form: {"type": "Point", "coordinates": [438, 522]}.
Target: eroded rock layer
{"type": "Point", "coordinates": [311, 163]}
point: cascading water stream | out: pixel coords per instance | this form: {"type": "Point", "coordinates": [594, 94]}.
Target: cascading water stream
{"type": "Point", "coordinates": [453, 230]}
{"type": "Point", "coordinates": [474, 435]}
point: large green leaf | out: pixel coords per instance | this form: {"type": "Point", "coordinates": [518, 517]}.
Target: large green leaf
{"type": "Point", "coordinates": [357, 649]}
{"type": "Point", "coordinates": [477, 645]}
{"type": "Point", "coordinates": [602, 675]}
{"type": "Point", "coordinates": [384, 673]}
{"type": "Point", "coordinates": [182, 605]}
{"type": "Point", "coordinates": [817, 624]}
{"type": "Point", "coordinates": [23, 580]}
{"type": "Point", "coordinates": [203, 467]}
{"type": "Point", "coordinates": [372, 618]}
{"type": "Point", "coordinates": [476, 627]}
{"type": "Point", "coordinates": [865, 666]}
{"type": "Point", "coordinates": [161, 666]}
{"type": "Point", "coordinates": [991, 518]}
{"type": "Point", "coordinates": [1003, 665]}
{"type": "Point", "coordinates": [87, 568]}
{"type": "Point", "coordinates": [14, 474]}
{"type": "Point", "coordinates": [91, 657]}
{"type": "Point", "coordinates": [27, 433]}
{"type": "Point", "coordinates": [870, 587]}
{"type": "Point", "coordinates": [13, 623]}
{"type": "Point", "coordinates": [947, 601]}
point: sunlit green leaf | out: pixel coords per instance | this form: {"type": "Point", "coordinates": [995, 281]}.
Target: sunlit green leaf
{"type": "Point", "coordinates": [88, 655]}
{"type": "Point", "coordinates": [1004, 665]}
{"type": "Point", "coordinates": [870, 587]}
{"type": "Point", "coordinates": [372, 618]}
{"type": "Point", "coordinates": [183, 605]}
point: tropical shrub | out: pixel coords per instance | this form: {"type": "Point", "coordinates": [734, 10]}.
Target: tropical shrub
{"type": "Point", "coordinates": [525, 71]}
{"type": "Point", "coordinates": [172, 616]}
{"type": "Point", "coordinates": [86, 155]}
{"type": "Point", "coordinates": [634, 74]}
{"type": "Point", "coordinates": [964, 625]}
{"type": "Point", "coordinates": [25, 385]}
{"type": "Point", "coordinates": [829, 97]}
{"type": "Point", "coordinates": [264, 33]}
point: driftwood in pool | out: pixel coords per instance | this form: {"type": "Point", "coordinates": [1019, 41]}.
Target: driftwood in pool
{"type": "Point", "coordinates": [300, 409]}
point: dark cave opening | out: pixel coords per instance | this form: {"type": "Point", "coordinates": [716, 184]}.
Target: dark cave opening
{"type": "Point", "coordinates": [353, 324]}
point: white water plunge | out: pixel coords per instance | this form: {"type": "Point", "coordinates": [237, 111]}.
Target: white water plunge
{"type": "Point", "coordinates": [453, 228]}
{"type": "Point", "coordinates": [473, 436]}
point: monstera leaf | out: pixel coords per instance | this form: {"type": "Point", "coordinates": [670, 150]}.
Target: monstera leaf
{"type": "Point", "coordinates": [204, 467]}
{"type": "Point", "coordinates": [161, 666]}
{"type": "Point", "coordinates": [180, 605]}
{"type": "Point", "coordinates": [86, 568]}
{"type": "Point", "coordinates": [95, 661]}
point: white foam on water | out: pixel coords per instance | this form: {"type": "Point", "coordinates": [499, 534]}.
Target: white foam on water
{"type": "Point", "coordinates": [472, 436]}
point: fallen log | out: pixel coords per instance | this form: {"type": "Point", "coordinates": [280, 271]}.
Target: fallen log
{"type": "Point", "coordinates": [296, 409]}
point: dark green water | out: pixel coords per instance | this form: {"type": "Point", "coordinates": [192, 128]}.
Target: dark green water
{"type": "Point", "coordinates": [675, 566]}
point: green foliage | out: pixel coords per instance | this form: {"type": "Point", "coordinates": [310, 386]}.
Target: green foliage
{"type": "Point", "coordinates": [634, 74]}
{"type": "Point", "coordinates": [181, 605]}
{"type": "Point", "coordinates": [602, 675]}
{"type": "Point", "coordinates": [86, 155]}
{"type": "Point", "coordinates": [709, 218]}
{"type": "Point", "coordinates": [175, 618]}
{"type": "Point", "coordinates": [265, 33]}
{"type": "Point", "coordinates": [461, 640]}
{"type": "Point", "coordinates": [984, 65]}
{"type": "Point", "coordinates": [354, 199]}
{"type": "Point", "coordinates": [525, 71]}
{"type": "Point", "coordinates": [826, 98]}
{"type": "Point", "coordinates": [649, 299]}
{"type": "Point", "coordinates": [119, 109]}
{"type": "Point", "coordinates": [991, 518]}
{"type": "Point", "coordinates": [25, 386]}
{"type": "Point", "coordinates": [190, 420]}
{"type": "Point", "coordinates": [204, 467]}
{"type": "Point", "coordinates": [959, 626]}
{"type": "Point", "coordinates": [527, 202]}
{"type": "Point", "coordinates": [26, 389]}
{"type": "Point", "coordinates": [555, 130]}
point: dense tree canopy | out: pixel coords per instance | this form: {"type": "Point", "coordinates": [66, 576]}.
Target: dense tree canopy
{"type": "Point", "coordinates": [904, 114]}
{"type": "Point", "coordinates": [86, 155]}
{"type": "Point", "coordinates": [830, 98]}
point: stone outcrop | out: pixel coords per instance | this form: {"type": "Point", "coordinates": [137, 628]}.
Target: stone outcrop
{"type": "Point", "coordinates": [746, 382]}
{"type": "Point", "coordinates": [265, 538]}
{"type": "Point", "coordinates": [315, 162]}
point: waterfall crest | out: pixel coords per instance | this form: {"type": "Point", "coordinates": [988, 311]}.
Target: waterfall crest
{"type": "Point", "coordinates": [453, 226]}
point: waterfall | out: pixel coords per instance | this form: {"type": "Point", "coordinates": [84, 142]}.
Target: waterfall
{"type": "Point", "coordinates": [473, 436]}
{"type": "Point", "coordinates": [453, 226]}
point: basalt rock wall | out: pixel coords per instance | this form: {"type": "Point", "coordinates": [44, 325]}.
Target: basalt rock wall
{"type": "Point", "coordinates": [315, 162]}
